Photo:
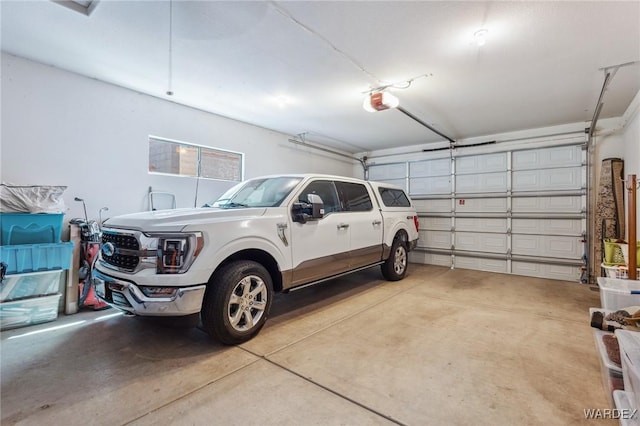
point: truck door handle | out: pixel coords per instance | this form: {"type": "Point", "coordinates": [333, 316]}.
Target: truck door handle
{"type": "Point", "coordinates": [376, 222]}
{"type": "Point", "coordinates": [343, 226]}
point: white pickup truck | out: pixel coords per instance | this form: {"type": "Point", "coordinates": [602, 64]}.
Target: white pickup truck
{"type": "Point", "coordinates": [226, 259]}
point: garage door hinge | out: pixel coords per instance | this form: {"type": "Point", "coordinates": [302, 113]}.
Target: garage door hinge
{"type": "Point", "coordinates": [509, 254]}
{"type": "Point", "coordinates": [453, 247]}
{"type": "Point", "coordinates": [508, 231]}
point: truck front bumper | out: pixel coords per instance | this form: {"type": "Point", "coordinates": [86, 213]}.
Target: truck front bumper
{"type": "Point", "coordinates": [128, 297]}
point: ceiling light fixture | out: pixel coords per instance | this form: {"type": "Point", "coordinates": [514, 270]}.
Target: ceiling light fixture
{"type": "Point", "coordinates": [480, 37]}
{"type": "Point", "coordinates": [379, 101]}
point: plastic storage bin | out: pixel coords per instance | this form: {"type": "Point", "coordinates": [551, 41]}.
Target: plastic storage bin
{"type": "Point", "coordinates": [611, 374]}
{"type": "Point", "coordinates": [617, 294]}
{"type": "Point", "coordinates": [30, 228]}
{"type": "Point", "coordinates": [24, 312]}
{"type": "Point", "coordinates": [23, 286]}
{"type": "Point", "coordinates": [36, 257]}
{"type": "Point", "coordinates": [629, 342]}
{"type": "Point", "coordinates": [623, 403]}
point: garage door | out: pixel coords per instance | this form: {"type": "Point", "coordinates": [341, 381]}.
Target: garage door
{"type": "Point", "coordinates": [521, 211]}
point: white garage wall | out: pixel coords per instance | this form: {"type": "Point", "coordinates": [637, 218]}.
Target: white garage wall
{"type": "Point", "coordinates": [60, 128]}
{"type": "Point", "coordinates": [631, 131]}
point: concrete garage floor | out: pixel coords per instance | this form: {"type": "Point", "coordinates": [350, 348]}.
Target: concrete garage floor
{"type": "Point", "coordinates": [441, 347]}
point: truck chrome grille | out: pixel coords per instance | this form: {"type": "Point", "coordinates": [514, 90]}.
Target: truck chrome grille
{"type": "Point", "coordinates": [121, 240]}
{"type": "Point", "coordinates": [124, 242]}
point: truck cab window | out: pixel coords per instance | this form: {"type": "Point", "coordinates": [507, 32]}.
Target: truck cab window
{"type": "Point", "coordinates": [392, 197]}
{"type": "Point", "coordinates": [326, 190]}
{"type": "Point", "coordinates": [354, 196]}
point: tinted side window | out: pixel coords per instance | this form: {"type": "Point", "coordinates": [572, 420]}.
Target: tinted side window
{"type": "Point", "coordinates": [394, 197]}
{"type": "Point", "coordinates": [354, 197]}
{"type": "Point", "coordinates": [326, 190]}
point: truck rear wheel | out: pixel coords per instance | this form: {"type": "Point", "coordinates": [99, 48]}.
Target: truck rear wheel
{"type": "Point", "coordinates": [237, 302]}
{"type": "Point", "coordinates": [395, 267]}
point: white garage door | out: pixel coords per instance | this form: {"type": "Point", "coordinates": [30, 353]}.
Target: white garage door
{"type": "Point", "coordinates": [519, 211]}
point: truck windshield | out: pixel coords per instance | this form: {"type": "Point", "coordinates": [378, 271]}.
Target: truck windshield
{"type": "Point", "coordinates": [263, 192]}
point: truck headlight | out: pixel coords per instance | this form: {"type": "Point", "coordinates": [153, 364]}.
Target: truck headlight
{"type": "Point", "coordinates": [176, 252]}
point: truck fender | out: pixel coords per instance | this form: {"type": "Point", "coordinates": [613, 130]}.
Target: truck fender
{"type": "Point", "coordinates": [249, 243]}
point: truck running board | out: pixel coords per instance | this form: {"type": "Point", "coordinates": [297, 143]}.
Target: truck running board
{"type": "Point", "coordinates": [332, 277]}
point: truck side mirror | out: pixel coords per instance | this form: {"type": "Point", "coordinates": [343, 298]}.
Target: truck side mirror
{"type": "Point", "coordinates": [313, 209]}
{"type": "Point", "coordinates": [317, 206]}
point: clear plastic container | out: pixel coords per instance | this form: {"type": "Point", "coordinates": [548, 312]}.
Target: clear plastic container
{"type": "Point", "coordinates": [20, 313]}
{"type": "Point", "coordinates": [629, 342]}
{"type": "Point", "coordinates": [24, 286]}
{"type": "Point", "coordinates": [617, 293]}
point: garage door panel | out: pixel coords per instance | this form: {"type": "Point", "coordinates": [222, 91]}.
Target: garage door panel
{"type": "Point", "coordinates": [384, 172]}
{"type": "Point", "coordinates": [402, 183]}
{"type": "Point", "coordinates": [481, 205]}
{"type": "Point", "coordinates": [479, 183]}
{"type": "Point", "coordinates": [507, 212]}
{"type": "Point", "coordinates": [562, 156]}
{"type": "Point", "coordinates": [485, 224]}
{"type": "Point", "coordinates": [569, 204]}
{"type": "Point", "coordinates": [481, 242]}
{"type": "Point", "coordinates": [555, 272]}
{"type": "Point", "coordinates": [478, 264]}
{"type": "Point", "coordinates": [435, 223]}
{"type": "Point", "coordinates": [547, 180]}
{"type": "Point", "coordinates": [547, 226]}
{"type": "Point", "coordinates": [430, 258]}
{"type": "Point", "coordinates": [552, 246]}
{"type": "Point", "coordinates": [434, 239]}
{"type": "Point", "coordinates": [486, 163]}
{"type": "Point", "coordinates": [433, 206]}
{"type": "Point", "coordinates": [430, 168]}
{"type": "Point", "coordinates": [430, 186]}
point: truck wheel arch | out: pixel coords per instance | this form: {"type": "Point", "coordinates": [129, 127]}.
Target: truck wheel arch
{"type": "Point", "coordinates": [259, 256]}
{"type": "Point", "coordinates": [395, 265]}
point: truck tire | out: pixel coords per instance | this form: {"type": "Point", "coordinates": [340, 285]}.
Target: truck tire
{"type": "Point", "coordinates": [237, 302]}
{"type": "Point", "coordinates": [395, 267]}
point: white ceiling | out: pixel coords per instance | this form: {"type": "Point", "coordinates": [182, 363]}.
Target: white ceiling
{"type": "Point", "coordinates": [541, 64]}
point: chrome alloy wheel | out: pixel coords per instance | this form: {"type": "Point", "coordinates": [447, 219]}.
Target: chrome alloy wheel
{"type": "Point", "coordinates": [400, 259]}
{"type": "Point", "coordinates": [247, 303]}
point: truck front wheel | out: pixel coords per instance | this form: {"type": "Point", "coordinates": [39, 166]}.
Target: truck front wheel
{"type": "Point", "coordinates": [237, 302]}
{"type": "Point", "coordinates": [395, 267]}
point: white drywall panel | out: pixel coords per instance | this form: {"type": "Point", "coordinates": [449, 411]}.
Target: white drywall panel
{"type": "Point", "coordinates": [60, 128]}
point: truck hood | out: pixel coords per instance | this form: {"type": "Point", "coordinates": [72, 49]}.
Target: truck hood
{"type": "Point", "coordinates": [177, 219]}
